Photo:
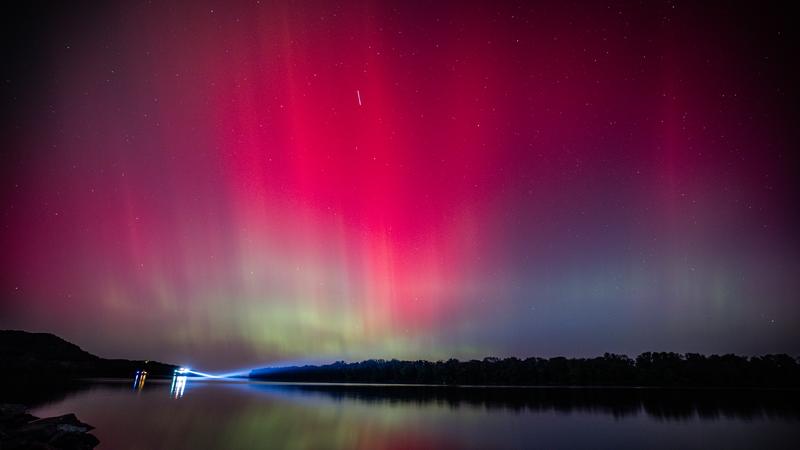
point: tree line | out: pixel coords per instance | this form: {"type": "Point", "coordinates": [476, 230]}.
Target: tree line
{"type": "Point", "coordinates": [648, 369]}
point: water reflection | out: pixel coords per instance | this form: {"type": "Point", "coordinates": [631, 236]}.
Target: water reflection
{"type": "Point", "coordinates": [138, 380]}
{"type": "Point", "coordinates": [242, 415]}
{"type": "Point", "coordinates": [178, 386]}
{"type": "Point", "coordinates": [661, 404]}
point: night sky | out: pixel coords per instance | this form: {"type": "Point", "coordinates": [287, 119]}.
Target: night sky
{"type": "Point", "coordinates": [226, 184]}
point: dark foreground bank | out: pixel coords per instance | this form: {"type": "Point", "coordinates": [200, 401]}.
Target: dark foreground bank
{"type": "Point", "coordinates": [20, 430]}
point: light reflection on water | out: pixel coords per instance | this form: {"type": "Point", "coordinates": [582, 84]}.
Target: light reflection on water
{"type": "Point", "coordinates": [178, 386]}
{"type": "Point", "coordinates": [138, 380]}
{"type": "Point", "coordinates": [242, 415]}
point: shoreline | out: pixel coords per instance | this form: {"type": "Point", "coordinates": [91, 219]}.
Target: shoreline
{"type": "Point", "coordinates": [456, 386]}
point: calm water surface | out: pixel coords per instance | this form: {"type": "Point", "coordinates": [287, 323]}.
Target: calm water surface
{"type": "Point", "coordinates": [193, 414]}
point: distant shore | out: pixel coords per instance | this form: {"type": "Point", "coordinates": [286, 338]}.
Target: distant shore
{"type": "Point", "coordinates": [610, 370]}
{"type": "Point", "coordinates": [28, 357]}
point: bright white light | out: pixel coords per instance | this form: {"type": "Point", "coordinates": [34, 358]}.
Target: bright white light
{"type": "Point", "coordinates": [178, 386]}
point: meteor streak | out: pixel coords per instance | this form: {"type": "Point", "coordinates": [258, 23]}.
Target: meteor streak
{"type": "Point", "coordinates": [358, 95]}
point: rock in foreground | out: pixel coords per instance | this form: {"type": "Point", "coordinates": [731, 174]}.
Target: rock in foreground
{"type": "Point", "coordinates": [20, 430]}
